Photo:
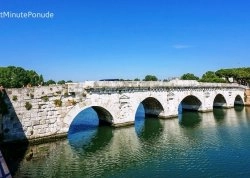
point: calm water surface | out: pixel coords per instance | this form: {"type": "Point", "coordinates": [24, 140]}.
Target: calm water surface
{"type": "Point", "coordinates": [215, 144]}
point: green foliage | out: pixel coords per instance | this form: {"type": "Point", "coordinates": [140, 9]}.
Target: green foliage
{"type": "Point", "coordinates": [14, 98]}
{"type": "Point", "coordinates": [17, 77]}
{"type": "Point", "coordinates": [72, 102]}
{"type": "Point", "coordinates": [49, 82]}
{"type": "Point", "coordinates": [150, 78]}
{"type": "Point", "coordinates": [136, 79]}
{"type": "Point", "coordinates": [28, 105]}
{"type": "Point", "coordinates": [69, 81]}
{"type": "Point", "coordinates": [241, 75]}
{"type": "Point", "coordinates": [189, 76]}
{"type": "Point", "coordinates": [61, 82]}
{"type": "Point", "coordinates": [210, 76]}
{"type": "Point", "coordinates": [45, 98]}
{"type": "Point", "coordinates": [58, 103]}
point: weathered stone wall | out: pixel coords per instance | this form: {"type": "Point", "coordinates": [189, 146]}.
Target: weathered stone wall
{"type": "Point", "coordinates": [48, 106]}
{"type": "Point", "coordinates": [40, 112]}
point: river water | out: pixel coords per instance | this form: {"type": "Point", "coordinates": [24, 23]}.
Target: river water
{"type": "Point", "coordinates": [214, 144]}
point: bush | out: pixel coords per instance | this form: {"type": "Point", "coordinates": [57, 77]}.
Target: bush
{"type": "Point", "coordinates": [28, 105]}
{"type": "Point", "coordinates": [72, 102]}
{"type": "Point", "coordinates": [31, 96]}
{"type": "Point", "coordinates": [58, 103]}
{"type": "Point", "coordinates": [45, 98]}
{"type": "Point", "coordinates": [14, 98]}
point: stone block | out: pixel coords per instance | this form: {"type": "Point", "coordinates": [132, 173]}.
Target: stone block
{"type": "Point", "coordinates": [52, 121]}
{"type": "Point", "coordinates": [35, 122]}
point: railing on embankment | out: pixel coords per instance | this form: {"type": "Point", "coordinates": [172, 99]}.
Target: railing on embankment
{"type": "Point", "coordinates": [4, 171]}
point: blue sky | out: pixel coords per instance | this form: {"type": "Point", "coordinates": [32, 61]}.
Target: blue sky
{"type": "Point", "coordinates": [97, 39]}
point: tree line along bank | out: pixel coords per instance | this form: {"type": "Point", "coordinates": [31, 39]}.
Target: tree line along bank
{"type": "Point", "coordinates": [17, 77]}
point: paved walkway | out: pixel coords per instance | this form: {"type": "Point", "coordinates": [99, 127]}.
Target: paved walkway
{"type": "Point", "coordinates": [4, 171]}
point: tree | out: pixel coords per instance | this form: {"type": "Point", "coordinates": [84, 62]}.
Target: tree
{"type": "Point", "coordinates": [50, 82]}
{"type": "Point", "coordinates": [136, 79]}
{"type": "Point", "coordinates": [241, 75]}
{"type": "Point", "coordinates": [150, 78]}
{"type": "Point", "coordinates": [16, 77]}
{"type": "Point", "coordinates": [210, 76]}
{"type": "Point", "coordinates": [61, 82]}
{"type": "Point", "coordinates": [189, 76]}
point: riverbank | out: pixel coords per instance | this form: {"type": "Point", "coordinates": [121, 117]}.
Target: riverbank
{"type": "Point", "coordinates": [4, 171]}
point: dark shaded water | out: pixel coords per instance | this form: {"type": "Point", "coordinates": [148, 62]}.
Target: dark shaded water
{"type": "Point", "coordinates": [215, 144]}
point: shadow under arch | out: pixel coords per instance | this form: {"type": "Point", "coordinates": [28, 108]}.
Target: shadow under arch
{"type": "Point", "coordinates": [219, 101]}
{"type": "Point", "coordinates": [146, 126]}
{"type": "Point", "coordinates": [238, 101]}
{"type": "Point", "coordinates": [187, 111]}
{"type": "Point", "coordinates": [152, 107]}
{"type": "Point", "coordinates": [104, 116]}
{"type": "Point", "coordinates": [189, 103]}
{"type": "Point", "coordinates": [90, 130]}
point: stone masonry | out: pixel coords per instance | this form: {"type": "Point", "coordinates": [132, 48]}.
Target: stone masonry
{"type": "Point", "coordinates": [46, 111]}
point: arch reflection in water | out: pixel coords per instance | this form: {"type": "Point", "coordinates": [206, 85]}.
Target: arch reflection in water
{"type": "Point", "coordinates": [239, 108]}
{"type": "Point", "coordinates": [87, 134]}
{"type": "Point", "coordinates": [147, 128]}
{"type": "Point", "coordinates": [189, 119]}
{"type": "Point", "coordinates": [188, 112]}
{"type": "Point", "coordinates": [219, 114]}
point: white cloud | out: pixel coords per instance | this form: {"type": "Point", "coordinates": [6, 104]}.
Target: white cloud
{"type": "Point", "coordinates": [180, 46]}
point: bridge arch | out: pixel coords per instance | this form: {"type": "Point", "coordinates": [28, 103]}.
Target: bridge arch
{"type": "Point", "coordinates": [152, 106]}
{"type": "Point", "coordinates": [190, 102]}
{"type": "Point", "coordinates": [219, 101]}
{"type": "Point", "coordinates": [105, 117]}
{"type": "Point", "coordinates": [238, 100]}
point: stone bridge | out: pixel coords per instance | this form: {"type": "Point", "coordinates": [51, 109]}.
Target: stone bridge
{"type": "Point", "coordinates": [40, 112]}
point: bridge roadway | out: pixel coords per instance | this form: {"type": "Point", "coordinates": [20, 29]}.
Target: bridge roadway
{"type": "Point", "coordinates": [116, 102]}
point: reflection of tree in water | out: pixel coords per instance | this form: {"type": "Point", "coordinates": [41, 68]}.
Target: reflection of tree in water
{"type": "Point", "coordinates": [219, 114]}
{"type": "Point", "coordinates": [189, 119]}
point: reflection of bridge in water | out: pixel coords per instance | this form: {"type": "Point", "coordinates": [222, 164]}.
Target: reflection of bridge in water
{"type": "Point", "coordinates": [127, 148]}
